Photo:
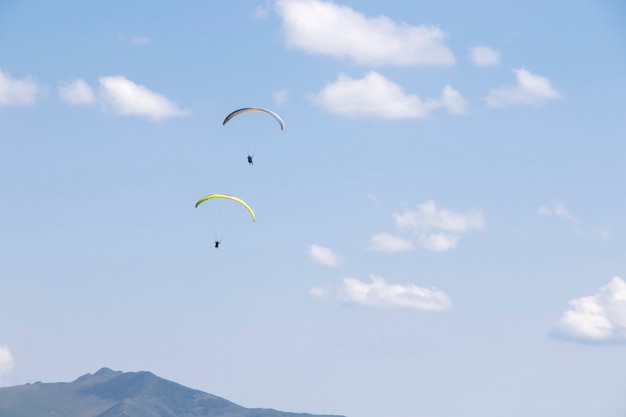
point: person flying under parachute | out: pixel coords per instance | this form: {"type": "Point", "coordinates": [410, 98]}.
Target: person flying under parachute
{"type": "Point", "coordinates": [225, 197]}
{"type": "Point", "coordinates": [280, 121]}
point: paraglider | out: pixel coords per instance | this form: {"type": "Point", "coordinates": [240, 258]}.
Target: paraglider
{"type": "Point", "coordinates": [252, 132]}
{"type": "Point", "coordinates": [223, 214]}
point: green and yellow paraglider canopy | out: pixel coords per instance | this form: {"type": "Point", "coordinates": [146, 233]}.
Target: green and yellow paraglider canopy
{"type": "Point", "coordinates": [229, 197]}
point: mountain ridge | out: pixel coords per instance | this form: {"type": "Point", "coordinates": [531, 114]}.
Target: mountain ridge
{"type": "Point", "coordinates": [109, 393]}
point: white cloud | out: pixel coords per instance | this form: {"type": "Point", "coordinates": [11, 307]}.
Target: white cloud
{"type": "Point", "coordinates": [376, 96]}
{"type": "Point", "coordinates": [531, 89]}
{"type": "Point", "coordinates": [324, 256]}
{"type": "Point", "coordinates": [428, 227]}
{"type": "Point", "coordinates": [484, 56]}
{"type": "Point", "coordinates": [340, 31]}
{"type": "Point", "coordinates": [386, 242]}
{"type": "Point", "coordinates": [596, 318]}
{"type": "Point", "coordinates": [556, 209]}
{"type": "Point", "coordinates": [77, 92]}
{"type": "Point", "coordinates": [140, 40]}
{"type": "Point", "coordinates": [121, 96]}
{"type": "Point", "coordinates": [280, 96]}
{"type": "Point", "coordinates": [559, 210]}
{"type": "Point", "coordinates": [17, 92]}
{"type": "Point", "coordinates": [379, 293]}
{"type": "Point", "coordinates": [427, 216]}
{"type": "Point", "coordinates": [261, 11]}
{"type": "Point", "coordinates": [126, 98]}
{"type": "Point", "coordinates": [453, 101]}
{"type": "Point", "coordinates": [6, 360]}
{"type": "Point", "coordinates": [439, 242]}
{"type": "Point", "coordinates": [319, 292]}
{"type": "Point", "coordinates": [600, 233]}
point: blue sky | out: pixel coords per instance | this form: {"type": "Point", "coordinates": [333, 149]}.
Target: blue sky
{"type": "Point", "coordinates": [439, 231]}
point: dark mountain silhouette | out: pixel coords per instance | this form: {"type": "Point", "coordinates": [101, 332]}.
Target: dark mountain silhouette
{"type": "Point", "coordinates": [110, 393]}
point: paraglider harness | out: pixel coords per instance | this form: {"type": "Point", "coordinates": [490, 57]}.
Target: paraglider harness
{"type": "Point", "coordinates": [250, 160]}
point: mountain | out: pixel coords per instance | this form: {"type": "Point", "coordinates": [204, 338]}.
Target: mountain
{"type": "Point", "coordinates": [110, 393]}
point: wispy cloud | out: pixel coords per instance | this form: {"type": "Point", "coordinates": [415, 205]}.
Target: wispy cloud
{"type": "Point", "coordinates": [530, 89]}
{"type": "Point", "coordinates": [6, 360]}
{"type": "Point", "coordinates": [324, 256]}
{"type": "Point", "coordinates": [376, 96]}
{"type": "Point", "coordinates": [140, 40]}
{"type": "Point", "coordinates": [261, 11]}
{"type": "Point", "coordinates": [386, 242]}
{"type": "Point", "coordinates": [280, 97]}
{"type": "Point", "coordinates": [379, 293]}
{"type": "Point", "coordinates": [319, 292]}
{"type": "Point", "coordinates": [428, 227]}
{"type": "Point", "coordinates": [135, 40]}
{"type": "Point", "coordinates": [17, 91]}
{"type": "Point", "coordinates": [559, 210]}
{"type": "Point", "coordinates": [77, 92]}
{"type": "Point", "coordinates": [427, 216]}
{"type": "Point", "coordinates": [597, 318]}
{"type": "Point", "coordinates": [126, 98]}
{"type": "Point", "coordinates": [328, 28]}
{"type": "Point", "coordinates": [556, 209]}
{"type": "Point", "coordinates": [484, 56]}
{"type": "Point", "coordinates": [452, 101]}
